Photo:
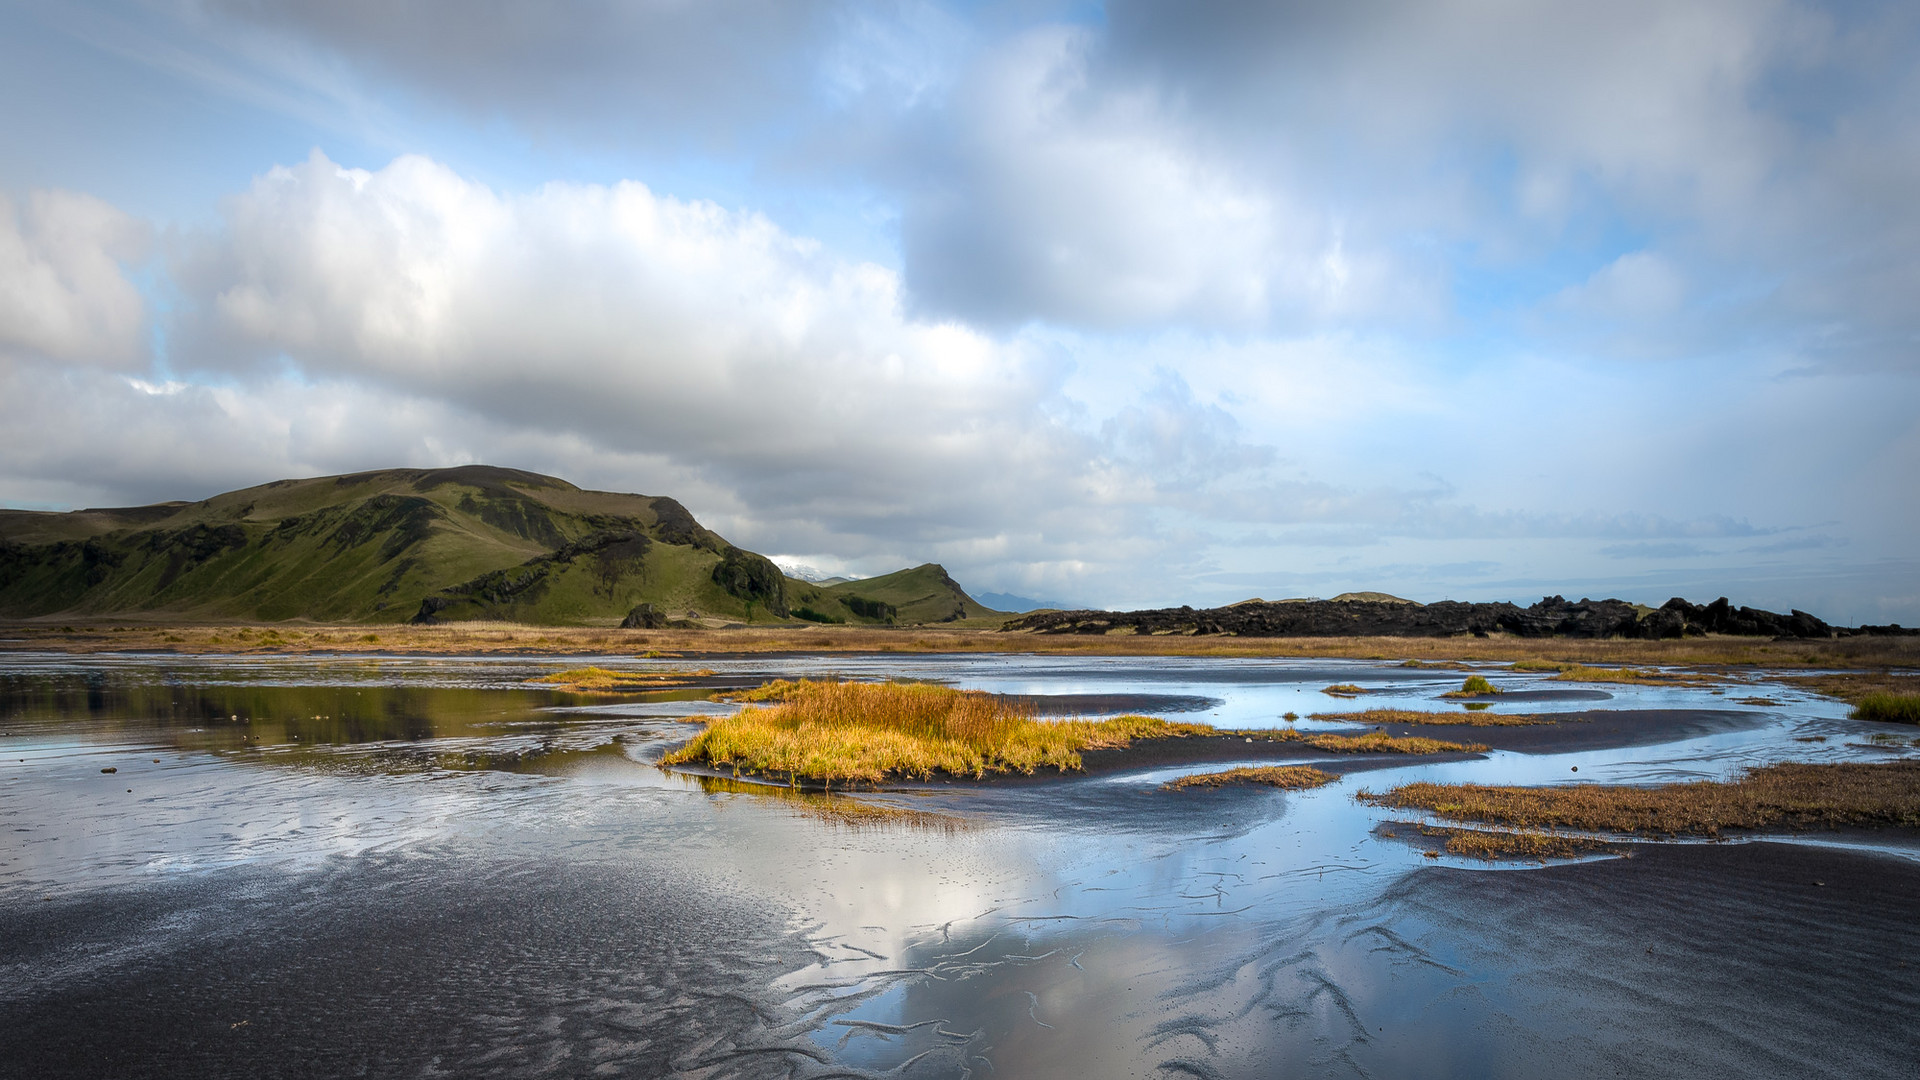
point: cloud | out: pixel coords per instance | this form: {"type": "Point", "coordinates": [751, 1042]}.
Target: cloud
{"type": "Point", "coordinates": [64, 292]}
{"type": "Point", "coordinates": [1655, 551]}
{"type": "Point", "coordinates": [1799, 543]}
{"type": "Point", "coordinates": [653, 71]}
{"type": "Point", "coordinates": [337, 319]}
{"type": "Point", "coordinates": [1602, 173]}
{"type": "Point", "coordinates": [1048, 196]}
{"type": "Point", "coordinates": [638, 323]}
{"type": "Point", "coordinates": [1631, 178]}
{"type": "Point", "coordinates": [820, 417]}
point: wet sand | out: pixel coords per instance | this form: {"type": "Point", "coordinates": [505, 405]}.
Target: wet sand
{"type": "Point", "coordinates": [329, 897]}
{"type": "Point", "coordinates": [396, 967]}
{"type": "Point", "coordinates": [1756, 959]}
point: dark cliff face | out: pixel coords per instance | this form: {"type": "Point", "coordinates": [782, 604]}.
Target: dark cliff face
{"type": "Point", "coordinates": [752, 578]}
{"type": "Point", "coordinates": [1553, 616]}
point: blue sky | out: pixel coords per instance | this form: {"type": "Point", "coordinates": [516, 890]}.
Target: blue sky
{"type": "Point", "coordinates": [1123, 304]}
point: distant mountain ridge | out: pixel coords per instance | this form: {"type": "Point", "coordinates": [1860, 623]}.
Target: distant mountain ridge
{"type": "Point", "coordinates": [428, 545]}
{"type": "Point", "coordinates": [1016, 603]}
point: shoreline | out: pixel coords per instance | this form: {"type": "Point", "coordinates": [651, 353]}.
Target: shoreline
{"type": "Point", "coordinates": [185, 638]}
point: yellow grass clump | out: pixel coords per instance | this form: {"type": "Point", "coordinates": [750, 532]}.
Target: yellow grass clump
{"type": "Point", "coordinates": [1854, 686]}
{"type": "Point", "coordinates": [601, 679]}
{"type": "Point", "coordinates": [1790, 795]}
{"type": "Point", "coordinates": [1620, 675]}
{"type": "Point", "coordinates": [1379, 742]}
{"type": "Point", "coordinates": [866, 732]}
{"type": "Point", "coordinates": [1437, 719]}
{"type": "Point", "coordinates": [1888, 708]}
{"type": "Point", "coordinates": [1475, 686]}
{"type": "Point", "coordinates": [1280, 776]}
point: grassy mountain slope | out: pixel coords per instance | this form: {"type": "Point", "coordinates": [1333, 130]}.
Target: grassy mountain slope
{"type": "Point", "coordinates": [923, 594]}
{"type": "Point", "coordinates": [387, 546]}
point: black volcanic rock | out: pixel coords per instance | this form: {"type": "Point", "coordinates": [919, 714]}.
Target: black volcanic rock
{"type": "Point", "coordinates": [1553, 616]}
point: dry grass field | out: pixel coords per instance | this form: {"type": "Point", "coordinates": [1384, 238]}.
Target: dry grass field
{"type": "Point", "coordinates": [492, 637]}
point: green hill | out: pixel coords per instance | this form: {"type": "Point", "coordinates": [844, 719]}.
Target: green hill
{"type": "Point", "coordinates": [429, 545]}
{"type": "Point", "coordinates": [924, 594]}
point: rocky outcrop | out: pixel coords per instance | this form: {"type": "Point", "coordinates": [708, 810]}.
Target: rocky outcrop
{"type": "Point", "coordinates": [644, 617]}
{"type": "Point", "coordinates": [753, 578]}
{"type": "Point", "coordinates": [1553, 616]}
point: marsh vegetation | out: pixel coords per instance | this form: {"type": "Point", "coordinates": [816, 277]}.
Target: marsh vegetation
{"type": "Point", "coordinates": [840, 732]}
{"type": "Point", "coordinates": [1788, 795]}
{"type": "Point", "coordinates": [482, 637]}
{"type": "Point", "coordinates": [599, 679]}
{"type": "Point", "coordinates": [1493, 844]}
{"type": "Point", "coordinates": [1474, 686]}
{"type": "Point", "coordinates": [1378, 717]}
{"type": "Point", "coordinates": [1291, 777]}
{"type": "Point", "coordinates": [1888, 708]}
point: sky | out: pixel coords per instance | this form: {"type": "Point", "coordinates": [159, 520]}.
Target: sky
{"type": "Point", "coordinates": [1121, 305]}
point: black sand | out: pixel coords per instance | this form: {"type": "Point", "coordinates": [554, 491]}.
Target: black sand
{"type": "Point", "coordinates": [393, 967]}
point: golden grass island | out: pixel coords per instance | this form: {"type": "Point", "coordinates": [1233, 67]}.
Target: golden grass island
{"type": "Point", "coordinates": [605, 680]}
{"type": "Point", "coordinates": [1289, 777]}
{"type": "Point", "coordinates": [836, 732]}
{"type": "Point", "coordinates": [854, 732]}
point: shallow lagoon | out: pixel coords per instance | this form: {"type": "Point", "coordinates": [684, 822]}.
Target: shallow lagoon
{"type": "Point", "coordinates": [421, 866]}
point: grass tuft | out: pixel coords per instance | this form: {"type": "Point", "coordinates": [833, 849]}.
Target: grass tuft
{"type": "Point", "coordinates": [1475, 686]}
{"type": "Point", "coordinates": [1790, 795]}
{"type": "Point", "coordinates": [866, 732]}
{"type": "Point", "coordinates": [1292, 777]}
{"type": "Point", "coordinates": [602, 679]}
{"type": "Point", "coordinates": [1436, 719]}
{"type": "Point", "coordinates": [1344, 690]}
{"type": "Point", "coordinates": [1628, 676]}
{"type": "Point", "coordinates": [1379, 742]}
{"type": "Point", "coordinates": [1888, 708]}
